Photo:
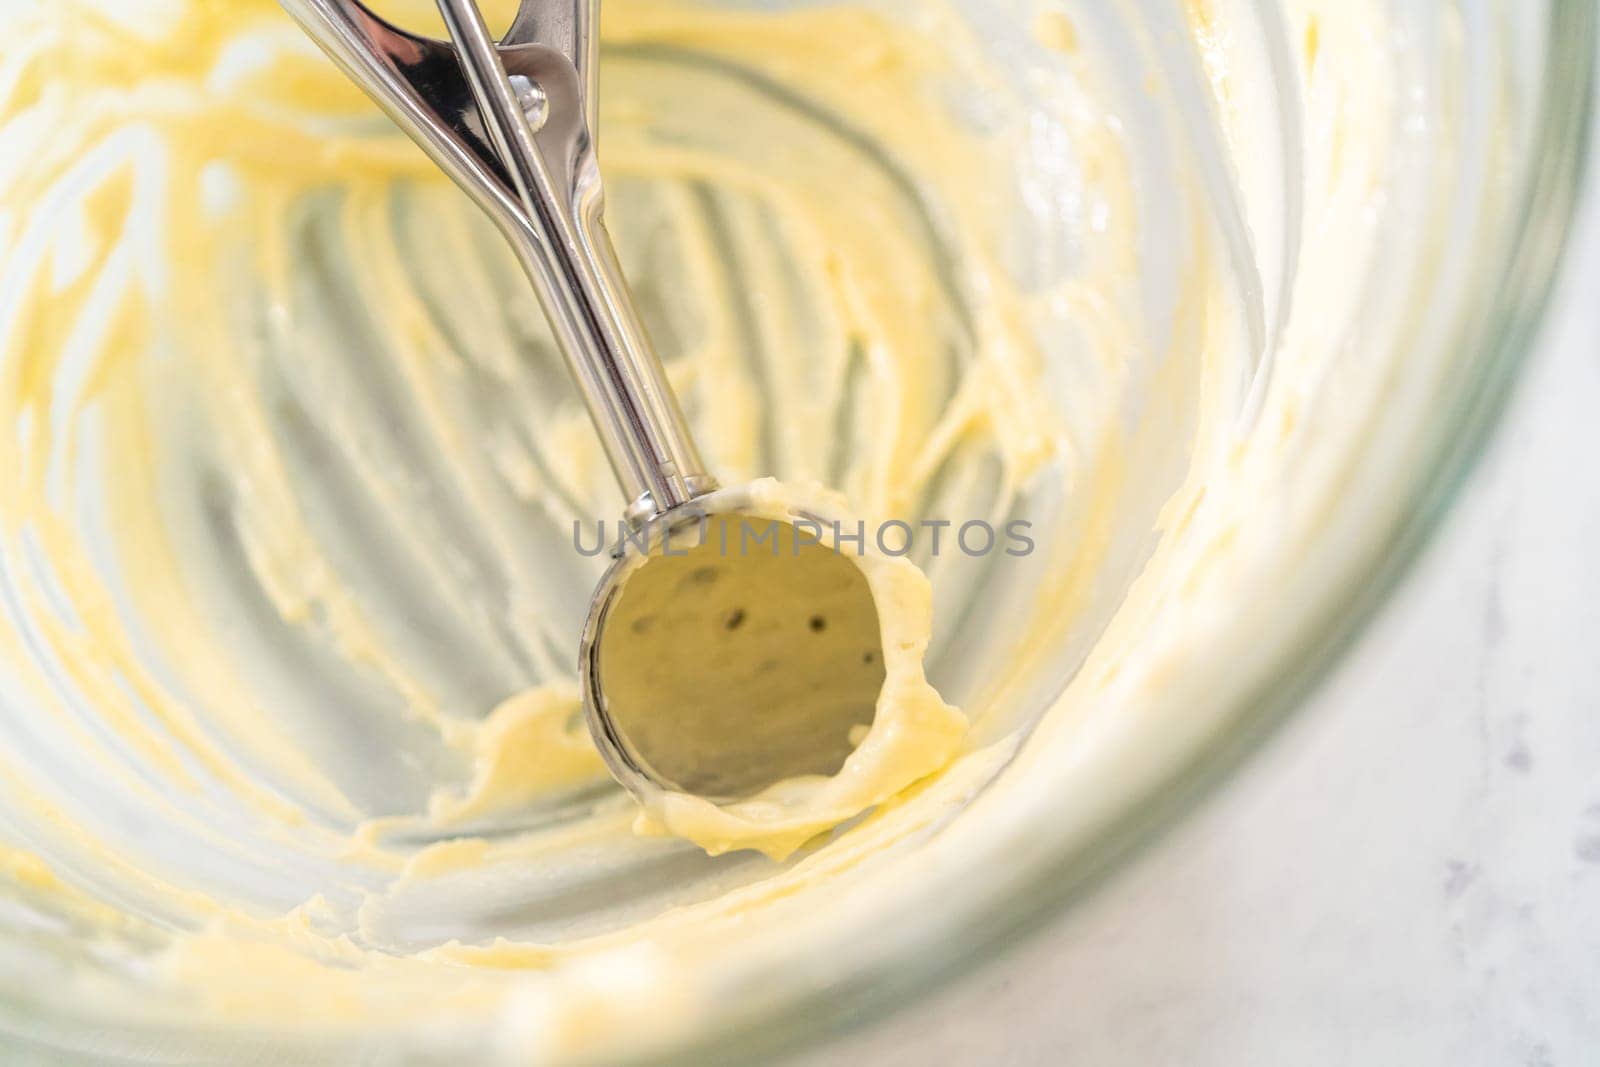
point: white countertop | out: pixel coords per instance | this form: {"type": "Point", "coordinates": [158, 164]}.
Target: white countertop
{"type": "Point", "coordinates": [1408, 872]}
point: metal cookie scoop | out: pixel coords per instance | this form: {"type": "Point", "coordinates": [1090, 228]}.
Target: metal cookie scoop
{"type": "Point", "coordinates": [727, 650]}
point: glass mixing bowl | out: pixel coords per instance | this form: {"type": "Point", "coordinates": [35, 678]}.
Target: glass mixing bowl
{"type": "Point", "coordinates": [259, 557]}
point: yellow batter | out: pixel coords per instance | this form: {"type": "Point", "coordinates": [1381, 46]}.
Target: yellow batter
{"type": "Point", "coordinates": [289, 731]}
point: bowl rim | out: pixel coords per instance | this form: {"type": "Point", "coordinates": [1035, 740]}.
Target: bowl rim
{"type": "Point", "coordinates": [1001, 921]}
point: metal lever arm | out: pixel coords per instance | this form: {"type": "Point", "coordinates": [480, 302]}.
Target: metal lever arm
{"type": "Point", "coordinates": [525, 152]}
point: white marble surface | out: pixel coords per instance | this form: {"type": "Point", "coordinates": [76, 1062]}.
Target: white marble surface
{"type": "Point", "coordinates": [1409, 872]}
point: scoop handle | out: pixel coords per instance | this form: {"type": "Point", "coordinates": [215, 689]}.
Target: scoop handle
{"type": "Point", "coordinates": [512, 124]}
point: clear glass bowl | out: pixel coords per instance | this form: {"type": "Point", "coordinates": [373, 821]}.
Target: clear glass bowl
{"type": "Point", "coordinates": [1488, 140]}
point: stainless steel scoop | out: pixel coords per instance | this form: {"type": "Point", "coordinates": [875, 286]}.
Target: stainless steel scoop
{"type": "Point", "coordinates": [710, 668]}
